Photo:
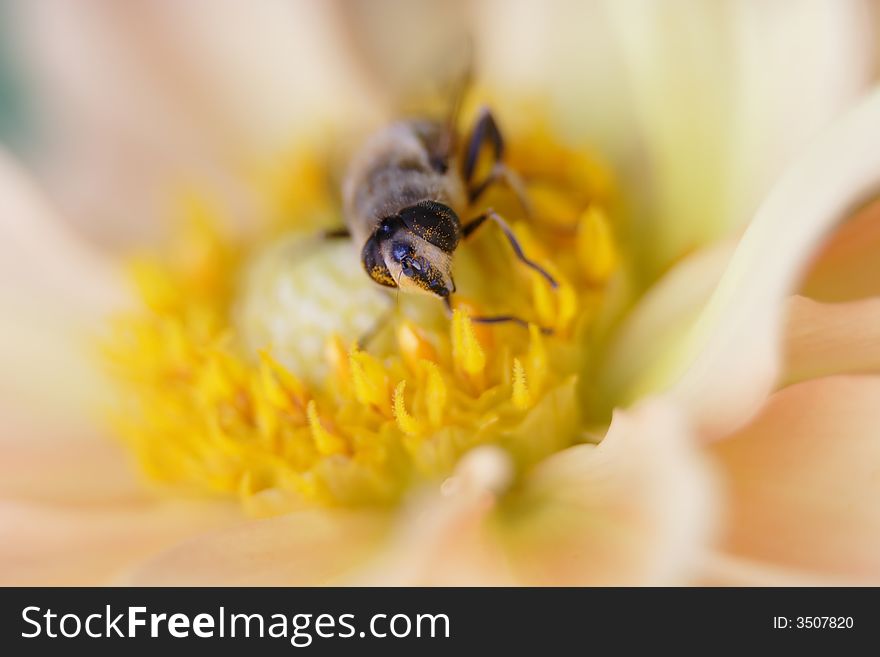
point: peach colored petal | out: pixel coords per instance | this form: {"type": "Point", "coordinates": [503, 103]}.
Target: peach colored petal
{"type": "Point", "coordinates": [635, 509]}
{"type": "Point", "coordinates": [831, 338]}
{"type": "Point", "coordinates": [443, 538]}
{"type": "Point", "coordinates": [299, 549]}
{"type": "Point", "coordinates": [804, 480]}
{"type": "Point", "coordinates": [726, 365]}
{"type": "Point", "coordinates": [847, 267]}
{"type": "Point", "coordinates": [720, 569]}
{"type": "Point", "coordinates": [43, 545]}
{"type": "Point", "coordinates": [65, 470]}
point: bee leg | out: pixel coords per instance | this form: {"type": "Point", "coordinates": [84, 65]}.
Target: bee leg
{"type": "Point", "coordinates": [335, 233]}
{"type": "Point", "coordinates": [486, 129]}
{"type": "Point", "coordinates": [475, 223]}
{"type": "Point", "coordinates": [497, 319]}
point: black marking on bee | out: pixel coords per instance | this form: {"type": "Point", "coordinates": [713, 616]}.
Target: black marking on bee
{"type": "Point", "coordinates": [434, 222]}
{"type": "Point", "coordinates": [374, 263]}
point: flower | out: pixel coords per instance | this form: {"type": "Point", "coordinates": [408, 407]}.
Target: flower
{"type": "Point", "coordinates": [678, 359]}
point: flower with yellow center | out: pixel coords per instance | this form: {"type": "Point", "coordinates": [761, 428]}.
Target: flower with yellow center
{"type": "Point", "coordinates": [444, 451]}
{"type": "Point", "coordinates": [243, 375]}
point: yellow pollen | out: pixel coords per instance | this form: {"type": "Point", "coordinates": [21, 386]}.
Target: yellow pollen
{"type": "Point", "coordinates": [522, 398]}
{"type": "Point", "coordinates": [326, 442]}
{"type": "Point", "coordinates": [466, 350]}
{"type": "Point", "coordinates": [407, 423]}
{"type": "Point", "coordinates": [595, 246]}
{"type": "Point", "coordinates": [370, 381]}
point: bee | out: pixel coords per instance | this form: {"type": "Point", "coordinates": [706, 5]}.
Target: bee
{"type": "Point", "coordinates": [404, 195]}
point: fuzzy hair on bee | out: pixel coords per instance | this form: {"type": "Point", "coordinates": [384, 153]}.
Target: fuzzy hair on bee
{"type": "Point", "coordinates": [403, 196]}
{"type": "Point", "coordinates": [400, 197]}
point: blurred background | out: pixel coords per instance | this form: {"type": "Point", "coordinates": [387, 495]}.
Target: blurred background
{"type": "Point", "coordinates": [108, 104]}
{"type": "Point", "coordinates": [108, 109]}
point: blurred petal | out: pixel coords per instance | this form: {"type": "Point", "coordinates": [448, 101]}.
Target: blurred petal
{"type": "Point", "coordinates": [54, 290]}
{"type": "Point", "coordinates": [62, 464]}
{"type": "Point", "coordinates": [657, 321]}
{"type": "Point", "coordinates": [635, 509]}
{"type": "Point", "coordinates": [42, 545]}
{"type": "Point", "coordinates": [444, 538]}
{"type": "Point", "coordinates": [727, 570]}
{"type": "Point", "coordinates": [300, 549]}
{"type": "Point", "coordinates": [804, 480]}
{"type": "Point", "coordinates": [728, 362]}
{"type": "Point", "coordinates": [721, 102]}
{"type": "Point", "coordinates": [831, 338]}
{"type": "Point", "coordinates": [847, 267]}
{"type": "Point", "coordinates": [136, 99]}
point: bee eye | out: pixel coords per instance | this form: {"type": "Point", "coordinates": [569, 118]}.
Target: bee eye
{"type": "Point", "coordinates": [402, 252]}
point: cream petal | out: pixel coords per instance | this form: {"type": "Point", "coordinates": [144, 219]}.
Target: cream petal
{"type": "Point", "coordinates": [728, 362]}
{"type": "Point", "coordinates": [721, 103]}
{"type": "Point", "coordinates": [804, 481]}
{"type": "Point", "coordinates": [831, 338]}
{"type": "Point", "coordinates": [54, 291]}
{"type": "Point", "coordinates": [43, 545]}
{"type": "Point", "coordinates": [847, 267]}
{"type": "Point", "coordinates": [299, 549]}
{"type": "Point", "coordinates": [653, 327]}
{"type": "Point", "coordinates": [636, 509]}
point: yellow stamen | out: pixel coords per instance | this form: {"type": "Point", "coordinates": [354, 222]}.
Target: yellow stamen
{"type": "Point", "coordinates": [435, 393]}
{"type": "Point", "coordinates": [466, 350]}
{"type": "Point", "coordinates": [370, 381]}
{"type": "Point", "coordinates": [326, 442]}
{"type": "Point", "coordinates": [280, 386]}
{"type": "Point", "coordinates": [337, 356]}
{"type": "Point", "coordinates": [537, 357]}
{"type": "Point", "coordinates": [543, 298]}
{"type": "Point", "coordinates": [522, 397]}
{"type": "Point", "coordinates": [406, 422]}
{"type": "Point", "coordinates": [595, 245]}
{"type": "Point", "coordinates": [414, 345]}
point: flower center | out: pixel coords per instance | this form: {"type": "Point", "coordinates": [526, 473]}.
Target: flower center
{"type": "Point", "coordinates": [240, 374]}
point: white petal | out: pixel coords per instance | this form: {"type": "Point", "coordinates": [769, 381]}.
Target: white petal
{"type": "Point", "coordinates": [722, 101]}
{"type": "Point", "coordinates": [729, 361]}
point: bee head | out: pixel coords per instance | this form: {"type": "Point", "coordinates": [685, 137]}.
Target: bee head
{"type": "Point", "coordinates": [413, 249]}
